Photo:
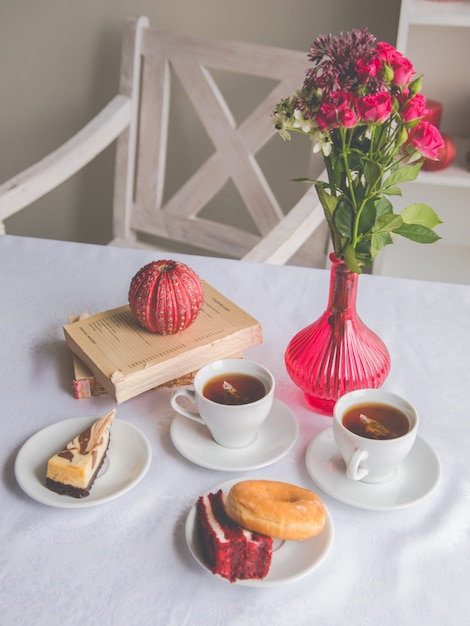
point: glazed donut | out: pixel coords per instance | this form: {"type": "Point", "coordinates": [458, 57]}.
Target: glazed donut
{"type": "Point", "coordinates": [276, 509]}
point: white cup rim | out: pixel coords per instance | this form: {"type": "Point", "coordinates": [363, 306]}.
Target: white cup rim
{"type": "Point", "coordinates": [381, 396]}
{"type": "Point", "coordinates": [235, 362]}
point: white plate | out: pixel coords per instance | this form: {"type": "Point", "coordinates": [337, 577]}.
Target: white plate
{"type": "Point", "coordinates": [275, 439]}
{"type": "Point", "coordinates": [291, 561]}
{"type": "Point", "coordinates": [127, 461]}
{"type": "Point", "coordinates": [415, 478]}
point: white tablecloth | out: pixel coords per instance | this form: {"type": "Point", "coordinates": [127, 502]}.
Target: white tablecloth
{"type": "Point", "coordinates": [126, 562]}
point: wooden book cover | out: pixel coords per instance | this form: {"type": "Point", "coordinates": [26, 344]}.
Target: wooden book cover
{"type": "Point", "coordinates": [127, 359]}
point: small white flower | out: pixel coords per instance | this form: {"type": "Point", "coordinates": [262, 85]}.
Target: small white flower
{"type": "Point", "coordinates": [301, 122]}
{"type": "Point", "coordinates": [326, 148]}
{"type": "Point", "coordinates": [323, 143]}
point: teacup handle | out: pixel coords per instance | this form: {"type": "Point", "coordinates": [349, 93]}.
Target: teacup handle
{"type": "Point", "coordinates": [188, 393]}
{"type": "Point", "coordinates": [353, 469]}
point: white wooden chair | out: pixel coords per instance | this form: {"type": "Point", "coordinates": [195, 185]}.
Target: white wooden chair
{"type": "Point", "coordinates": [138, 117]}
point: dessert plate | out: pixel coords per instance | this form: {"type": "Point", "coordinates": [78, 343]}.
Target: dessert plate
{"type": "Point", "coordinates": [292, 560]}
{"type": "Point", "coordinates": [275, 438]}
{"type": "Point", "coordinates": [414, 479]}
{"type": "Point", "coordinates": [126, 463]}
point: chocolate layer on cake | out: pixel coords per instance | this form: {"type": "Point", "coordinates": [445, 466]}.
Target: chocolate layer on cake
{"type": "Point", "coordinates": [73, 470]}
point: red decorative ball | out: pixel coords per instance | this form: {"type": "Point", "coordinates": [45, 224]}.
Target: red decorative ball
{"type": "Point", "coordinates": [445, 157]}
{"type": "Point", "coordinates": [166, 296]}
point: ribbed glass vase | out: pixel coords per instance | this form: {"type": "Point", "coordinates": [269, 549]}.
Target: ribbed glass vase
{"type": "Point", "coordinates": [337, 353]}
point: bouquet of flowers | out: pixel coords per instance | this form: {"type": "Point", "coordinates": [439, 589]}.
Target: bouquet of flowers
{"type": "Point", "coordinates": [361, 103]}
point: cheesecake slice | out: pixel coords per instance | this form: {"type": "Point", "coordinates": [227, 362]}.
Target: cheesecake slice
{"type": "Point", "coordinates": [72, 471]}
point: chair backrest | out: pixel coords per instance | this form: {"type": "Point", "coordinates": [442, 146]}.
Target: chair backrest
{"type": "Point", "coordinates": [154, 63]}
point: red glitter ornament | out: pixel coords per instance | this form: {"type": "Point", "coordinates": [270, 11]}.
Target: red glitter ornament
{"type": "Point", "coordinates": [166, 296]}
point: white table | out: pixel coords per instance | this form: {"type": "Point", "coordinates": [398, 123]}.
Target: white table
{"type": "Point", "coordinates": [126, 562]}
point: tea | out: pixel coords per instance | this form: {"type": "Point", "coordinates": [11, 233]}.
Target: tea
{"type": "Point", "coordinates": [376, 421]}
{"type": "Point", "coordinates": [234, 389]}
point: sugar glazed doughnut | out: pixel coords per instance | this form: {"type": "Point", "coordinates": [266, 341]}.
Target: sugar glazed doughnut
{"type": "Point", "coordinates": [276, 509]}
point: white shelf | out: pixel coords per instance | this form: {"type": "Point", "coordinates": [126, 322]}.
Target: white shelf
{"type": "Point", "coordinates": [426, 35]}
{"type": "Point", "coordinates": [432, 13]}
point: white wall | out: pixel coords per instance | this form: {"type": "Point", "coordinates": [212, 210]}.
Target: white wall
{"type": "Point", "coordinates": [59, 64]}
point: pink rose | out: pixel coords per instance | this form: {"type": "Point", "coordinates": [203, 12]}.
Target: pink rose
{"type": "Point", "coordinates": [414, 108]}
{"type": "Point", "coordinates": [375, 108]}
{"type": "Point", "coordinates": [402, 67]}
{"type": "Point", "coordinates": [326, 117]}
{"type": "Point", "coordinates": [336, 111]}
{"type": "Point", "coordinates": [385, 51]}
{"type": "Point", "coordinates": [403, 71]}
{"type": "Point", "coordinates": [426, 139]}
{"type": "Point", "coordinates": [347, 117]}
{"type": "Point", "coordinates": [365, 70]}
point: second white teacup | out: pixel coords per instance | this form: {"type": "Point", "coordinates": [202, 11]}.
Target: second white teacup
{"type": "Point", "coordinates": [370, 459]}
{"type": "Point", "coordinates": [249, 389]}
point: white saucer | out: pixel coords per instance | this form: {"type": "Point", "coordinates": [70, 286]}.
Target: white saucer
{"type": "Point", "coordinates": [275, 438]}
{"type": "Point", "coordinates": [415, 478]}
{"type": "Point", "coordinates": [127, 461]}
{"type": "Point", "coordinates": [291, 561]}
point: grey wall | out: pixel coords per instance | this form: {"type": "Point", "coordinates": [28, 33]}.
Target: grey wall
{"type": "Point", "coordinates": [59, 64]}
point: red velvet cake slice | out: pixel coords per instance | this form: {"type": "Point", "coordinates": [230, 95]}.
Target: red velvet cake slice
{"type": "Point", "coordinates": [228, 549]}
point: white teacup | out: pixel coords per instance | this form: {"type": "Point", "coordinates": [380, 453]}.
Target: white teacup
{"type": "Point", "coordinates": [372, 460]}
{"type": "Point", "coordinates": [231, 425]}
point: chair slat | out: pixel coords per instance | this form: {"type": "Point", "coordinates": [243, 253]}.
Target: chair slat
{"type": "Point", "coordinates": [224, 239]}
{"type": "Point", "coordinates": [291, 233]}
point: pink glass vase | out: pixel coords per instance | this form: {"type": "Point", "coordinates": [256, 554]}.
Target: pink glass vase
{"type": "Point", "coordinates": [337, 353]}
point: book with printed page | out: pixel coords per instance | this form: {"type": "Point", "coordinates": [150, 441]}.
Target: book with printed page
{"type": "Point", "coordinates": [85, 385]}
{"type": "Point", "coordinates": [126, 359]}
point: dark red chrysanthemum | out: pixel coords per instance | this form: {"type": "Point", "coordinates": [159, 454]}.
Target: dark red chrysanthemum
{"type": "Point", "coordinates": [335, 60]}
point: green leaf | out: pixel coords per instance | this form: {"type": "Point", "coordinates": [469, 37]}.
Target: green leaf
{"type": "Point", "coordinates": [336, 171]}
{"type": "Point", "coordinates": [413, 123]}
{"type": "Point", "coordinates": [393, 191]}
{"type": "Point", "coordinates": [367, 218]}
{"type": "Point", "coordinates": [383, 206]}
{"type": "Point", "coordinates": [363, 252]}
{"type": "Point", "coordinates": [359, 192]}
{"type": "Point", "coordinates": [420, 214]}
{"type": "Point", "coordinates": [355, 160]}
{"type": "Point", "coordinates": [378, 242]}
{"type": "Point", "coordinates": [329, 204]}
{"type": "Point", "coordinates": [418, 233]}
{"type": "Point", "coordinates": [372, 172]}
{"type": "Point", "coordinates": [343, 218]}
{"type": "Point", "coordinates": [327, 201]}
{"type": "Point", "coordinates": [402, 174]}
{"type": "Point", "coordinates": [350, 259]}
{"type": "Point", "coordinates": [387, 223]}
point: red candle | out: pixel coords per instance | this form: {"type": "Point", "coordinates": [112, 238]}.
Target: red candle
{"type": "Point", "coordinates": [433, 112]}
